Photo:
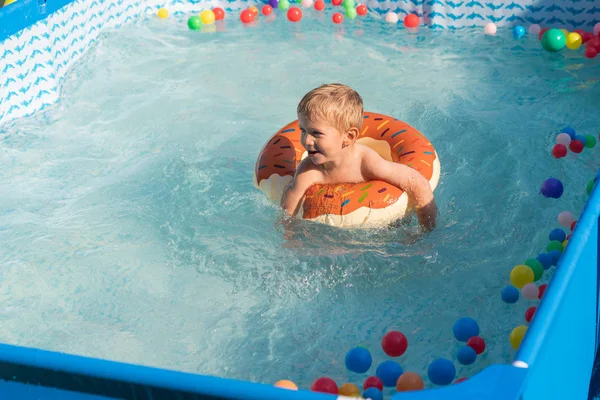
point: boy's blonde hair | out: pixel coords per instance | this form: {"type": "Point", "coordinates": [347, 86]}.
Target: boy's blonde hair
{"type": "Point", "coordinates": [338, 104]}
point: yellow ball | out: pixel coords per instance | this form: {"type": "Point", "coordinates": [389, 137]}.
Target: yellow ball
{"type": "Point", "coordinates": [521, 275]}
{"type": "Point", "coordinates": [516, 336]}
{"type": "Point", "coordinates": [163, 13]}
{"type": "Point", "coordinates": [285, 384]}
{"type": "Point", "coordinates": [349, 389]}
{"type": "Point", "coordinates": [563, 30]}
{"type": "Point", "coordinates": [574, 40]}
{"type": "Point", "coordinates": [565, 244]}
{"type": "Point", "coordinates": [207, 17]}
{"type": "Point", "coordinates": [253, 9]}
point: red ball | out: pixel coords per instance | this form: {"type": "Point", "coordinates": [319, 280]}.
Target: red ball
{"type": "Point", "coordinates": [373, 381]}
{"type": "Point", "coordinates": [580, 31]}
{"type": "Point", "coordinates": [576, 146]}
{"type": "Point", "coordinates": [247, 16]}
{"type": "Point", "coordinates": [267, 9]}
{"type": "Point", "coordinates": [336, 2]}
{"type": "Point", "coordinates": [590, 52]}
{"type": "Point", "coordinates": [411, 21]}
{"type": "Point", "coordinates": [294, 14]}
{"type": "Point", "coordinates": [337, 18]}
{"type": "Point", "coordinates": [568, 236]}
{"type": "Point", "coordinates": [324, 385]}
{"type": "Point", "coordinates": [586, 36]}
{"type": "Point", "coordinates": [530, 313]}
{"type": "Point", "coordinates": [476, 343]}
{"type": "Point", "coordinates": [542, 289]}
{"type": "Point", "coordinates": [394, 343]}
{"type": "Point", "coordinates": [219, 13]}
{"type": "Point", "coordinates": [594, 42]}
{"type": "Point", "coordinates": [573, 226]}
{"type": "Point", "coordinates": [459, 380]}
{"type": "Point", "coordinates": [559, 150]}
{"type": "Point", "coordinates": [361, 10]}
{"type": "Point", "coordinates": [542, 31]}
{"type": "Point", "coordinates": [319, 5]}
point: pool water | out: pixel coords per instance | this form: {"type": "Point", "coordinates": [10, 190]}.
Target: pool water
{"type": "Point", "coordinates": [130, 228]}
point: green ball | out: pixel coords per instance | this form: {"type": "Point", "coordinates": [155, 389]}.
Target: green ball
{"type": "Point", "coordinates": [348, 4]}
{"type": "Point", "coordinates": [590, 186]}
{"type": "Point", "coordinates": [195, 23]}
{"type": "Point", "coordinates": [590, 141]}
{"type": "Point", "coordinates": [283, 4]}
{"type": "Point", "coordinates": [554, 245]}
{"type": "Point", "coordinates": [554, 40]}
{"type": "Point", "coordinates": [536, 266]}
{"type": "Point", "coordinates": [350, 13]}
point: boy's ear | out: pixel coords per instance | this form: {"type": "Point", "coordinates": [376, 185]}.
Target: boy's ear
{"type": "Point", "coordinates": [352, 135]}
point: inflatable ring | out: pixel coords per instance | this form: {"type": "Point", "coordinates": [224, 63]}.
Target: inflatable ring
{"type": "Point", "coordinates": [371, 203]}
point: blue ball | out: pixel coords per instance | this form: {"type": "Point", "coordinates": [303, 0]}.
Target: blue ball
{"type": "Point", "coordinates": [557, 234]}
{"type": "Point", "coordinates": [510, 294]}
{"type": "Point", "coordinates": [465, 328]}
{"type": "Point", "coordinates": [389, 372]}
{"type": "Point", "coordinates": [466, 355]}
{"type": "Point", "coordinates": [546, 260]}
{"type": "Point", "coordinates": [441, 372]}
{"type": "Point", "coordinates": [570, 131]}
{"type": "Point", "coordinates": [373, 393]}
{"type": "Point", "coordinates": [581, 138]}
{"type": "Point", "coordinates": [555, 254]}
{"type": "Point", "coordinates": [552, 187]}
{"type": "Point", "coordinates": [358, 360]}
{"type": "Point", "coordinates": [518, 32]}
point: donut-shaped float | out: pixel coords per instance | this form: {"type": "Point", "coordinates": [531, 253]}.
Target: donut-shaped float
{"type": "Point", "coordinates": [372, 203]}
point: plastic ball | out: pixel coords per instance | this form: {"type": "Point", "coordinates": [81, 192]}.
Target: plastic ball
{"type": "Point", "coordinates": [555, 254]}
{"type": "Point", "coordinates": [536, 267]}
{"type": "Point", "coordinates": [516, 336]}
{"type": "Point", "coordinates": [576, 146]}
{"type": "Point", "coordinates": [573, 225]}
{"type": "Point", "coordinates": [534, 29]}
{"type": "Point", "coordinates": [573, 40]}
{"type": "Point", "coordinates": [490, 29]}
{"type": "Point", "coordinates": [219, 13]}
{"type": "Point", "coordinates": [441, 372]}
{"type": "Point", "coordinates": [336, 2]}
{"type": "Point", "coordinates": [348, 3]}
{"type": "Point", "coordinates": [207, 17]}
{"type": "Point", "coordinates": [266, 9]}
{"type": "Point", "coordinates": [294, 14]}
{"type": "Point", "coordinates": [194, 23]}
{"type": "Point", "coordinates": [596, 29]}
{"type": "Point", "coordinates": [565, 218]}
{"type": "Point", "coordinates": [349, 389]}
{"type": "Point", "coordinates": [284, 4]}
{"type": "Point", "coordinates": [306, 3]}
{"type": "Point", "coordinates": [530, 313]}
{"type": "Point", "coordinates": [465, 328]}
{"type": "Point", "coordinates": [510, 294]}
{"type": "Point", "coordinates": [350, 13]}
{"type": "Point", "coordinates": [411, 21]}
{"type": "Point", "coordinates": [541, 33]}
{"type": "Point", "coordinates": [518, 32]}
{"type": "Point", "coordinates": [337, 18]}
{"type": "Point", "coordinates": [459, 380]}
{"type": "Point", "coordinates": [477, 343]}
{"type": "Point", "coordinates": [394, 343]}
{"type": "Point", "coordinates": [163, 13]}
{"type": "Point", "coordinates": [530, 291]}
{"type": "Point", "coordinates": [521, 275]}
{"type": "Point", "coordinates": [590, 141]}
{"type": "Point", "coordinates": [569, 131]}
{"type": "Point", "coordinates": [553, 40]}
{"type": "Point", "coordinates": [563, 138]}
{"type": "Point", "coordinates": [590, 52]}
{"type": "Point", "coordinates": [564, 244]}
{"type": "Point", "coordinates": [247, 16]}
{"type": "Point", "coordinates": [466, 355]}
{"type": "Point", "coordinates": [285, 384]}
{"type": "Point", "coordinates": [554, 245]}
{"type": "Point", "coordinates": [409, 381]}
{"type": "Point", "coordinates": [319, 5]}
{"type": "Point", "coordinates": [542, 290]}
{"type": "Point", "coordinates": [274, 3]}
{"type": "Point", "coordinates": [590, 186]}
{"type": "Point", "coordinates": [545, 259]}
{"type": "Point", "coordinates": [389, 371]}
{"type": "Point", "coordinates": [372, 381]}
{"type": "Point", "coordinates": [559, 150]}
{"type": "Point", "coordinates": [358, 360]}
{"type": "Point", "coordinates": [373, 394]}
{"type": "Point", "coordinates": [362, 10]}
{"type": "Point", "coordinates": [552, 187]}
{"type": "Point", "coordinates": [557, 234]}
{"type": "Point", "coordinates": [324, 385]}
{"type": "Point", "coordinates": [581, 138]}
{"type": "Point", "coordinates": [391, 17]}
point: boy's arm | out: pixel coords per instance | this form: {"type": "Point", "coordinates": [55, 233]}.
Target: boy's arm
{"type": "Point", "coordinates": [294, 191]}
{"type": "Point", "coordinates": [408, 179]}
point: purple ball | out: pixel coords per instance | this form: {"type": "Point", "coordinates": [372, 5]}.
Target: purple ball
{"type": "Point", "coordinates": [274, 3]}
{"type": "Point", "coordinates": [552, 187]}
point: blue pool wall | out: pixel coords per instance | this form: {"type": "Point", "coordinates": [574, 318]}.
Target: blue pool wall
{"type": "Point", "coordinates": [40, 41]}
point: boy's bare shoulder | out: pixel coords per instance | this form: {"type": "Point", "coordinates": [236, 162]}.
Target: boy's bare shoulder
{"type": "Point", "coordinates": [307, 170]}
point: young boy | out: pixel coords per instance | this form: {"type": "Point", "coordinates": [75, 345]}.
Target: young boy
{"type": "Point", "coordinates": [330, 119]}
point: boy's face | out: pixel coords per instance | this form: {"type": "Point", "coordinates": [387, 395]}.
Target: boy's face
{"type": "Point", "coordinates": [321, 140]}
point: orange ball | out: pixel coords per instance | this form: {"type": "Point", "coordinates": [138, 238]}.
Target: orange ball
{"type": "Point", "coordinates": [409, 381]}
{"type": "Point", "coordinates": [254, 10]}
{"type": "Point", "coordinates": [267, 9]}
{"type": "Point", "coordinates": [219, 13]}
{"type": "Point", "coordinates": [285, 384]}
{"type": "Point", "coordinates": [320, 5]}
{"type": "Point", "coordinates": [246, 16]}
{"type": "Point", "coordinates": [361, 10]}
{"type": "Point", "coordinates": [411, 21]}
{"type": "Point", "coordinates": [349, 389]}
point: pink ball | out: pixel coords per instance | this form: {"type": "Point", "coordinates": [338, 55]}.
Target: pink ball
{"type": "Point", "coordinates": [563, 138]}
{"type": "Point", "coordinates": [307, 3]}
{"type": "Point", "coordinates": [597, 29]}
{"type": "Point", "coordinates": [535, 29]}
{"type": "Point", "coordinates": [391, 17]}
{"type": "Point", "coordinates": [530, 291]}
{"type": "Point", "coordinates": [565, 218]}
{"type": "Point", "coordinates": [490, 29]}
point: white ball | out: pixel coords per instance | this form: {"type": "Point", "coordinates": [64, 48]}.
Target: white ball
{"type": "Point", "coordinates": [563, 138]}
{"type": "Point", "coordinates": [391, 17]}
{"type": "Point", "coordinates": [534, 29]}
{"type": "Point", "coordinates": [307, 3]}
{"type": "Point", "coordinates": [530, 291]}
{"type": "Point", "coordinates": [490, 28]}
{"type": "Point", "coordinates": [565, 218]}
